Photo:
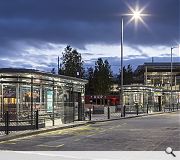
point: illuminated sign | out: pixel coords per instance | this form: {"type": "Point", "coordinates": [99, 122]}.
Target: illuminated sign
{"type": "Point", "coordinates": [49, 101]}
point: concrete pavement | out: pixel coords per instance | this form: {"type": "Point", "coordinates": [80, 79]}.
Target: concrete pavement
{"type": "Point", "coordinates": [98, 118]}
{"type": "Point", "coordinates": [146, 133]}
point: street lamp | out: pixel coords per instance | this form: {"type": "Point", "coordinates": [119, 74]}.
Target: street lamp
{"type": "Point", "coordinates": [171, 101]}
{"type": "Point", "coordinates": [136, 15]}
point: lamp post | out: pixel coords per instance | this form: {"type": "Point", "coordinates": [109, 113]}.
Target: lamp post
{"type": "Point", "coordinates": [136, 15]}
{"type": "Point", "coordinates": [122, 91]}
{"type": "Point", "coordinates": [171, 101]}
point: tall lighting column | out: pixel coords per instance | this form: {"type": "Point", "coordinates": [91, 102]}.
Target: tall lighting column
{"type": "Point", "coordinates": [136, 15]}
{"type": "Point", "coordinates": [171, 99]}
{"type": "Point", "coordinates": [121, 95]}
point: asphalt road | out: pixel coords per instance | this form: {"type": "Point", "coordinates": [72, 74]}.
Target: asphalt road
{"type": "Point", "coordinates": [151, 133]}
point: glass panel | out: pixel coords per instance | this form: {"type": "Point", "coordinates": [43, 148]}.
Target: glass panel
{"type": "Point", "coordinates": [9, 98]}
{"type": "Point", "coordinates": [76, 105]}
{"type": "Point", "coordinates": [47, 100]}
{"type": "Point", "coordinates": [36, 97]}
{"type": "Point", "coordinates": [59, 102]}
{"type": "Point", "coordinates": [25, 98]}
{"type": "Point", "coordinates": [1, 105]}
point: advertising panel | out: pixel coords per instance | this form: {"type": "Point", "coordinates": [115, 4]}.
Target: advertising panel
{"type": "Point", "coordinates": [49, 101]}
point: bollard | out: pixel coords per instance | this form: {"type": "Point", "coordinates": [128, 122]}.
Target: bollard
{"type": "Point", "coordinates": [147, 108]}
{"type": "Point", "coordinates": [53, 122]}
{"type": "Point", "coordinates": [137, 109]}
{"type": "Point", "coordinates": [93, 109]}
{"type": "Point", "coordinates": [124, 111]}
{"type": "Point", "coordinates": [90, 114]}
{"type": "Point", "coordinates": [108, 112]}
{"type": "Point", "coordinates": [37, 119]}
{"type": "Point", "coordinates": [6, 122]}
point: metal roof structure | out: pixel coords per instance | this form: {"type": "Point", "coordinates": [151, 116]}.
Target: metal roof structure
{"type": "Point", "coordinates": [37, 72]}
{"type": "Point", "coordinates": [159, 67]}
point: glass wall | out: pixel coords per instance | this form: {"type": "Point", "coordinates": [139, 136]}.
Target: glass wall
{"type": "Point", "coordinates": [58, 98]}
{"type": "Point", "coordinates": [143, 96]}
{"type": "Point", "coordinates": [1, 100]}
{"type": "Point", "coordinates": [163, 80]}
{"type": "Point", "coordinates": [9, 98]}
{"type": "Point", "coordinates": [168, 98]}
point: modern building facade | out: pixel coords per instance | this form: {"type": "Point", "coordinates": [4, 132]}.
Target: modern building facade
{"type": "Point", "coordinates": [56, 97]}
{"type": "Point", "coordinates": [158, 86]}
{"type": "Point", "coordinates": [159, 75]}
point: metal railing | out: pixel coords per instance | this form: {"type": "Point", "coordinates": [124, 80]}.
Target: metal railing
{"type": "Point", "coordinates": [114, 112]}
{"type": "Point", "coordinates": [13, 122]}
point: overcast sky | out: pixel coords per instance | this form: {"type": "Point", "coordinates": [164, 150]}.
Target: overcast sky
{"type": "Point", "coordinates": [34, 32]}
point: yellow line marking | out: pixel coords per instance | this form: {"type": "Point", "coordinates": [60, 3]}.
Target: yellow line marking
{"type": "Point", "coordinates": [44, 145]}
{"type": "Point", "coordinates": [67, 131]}
{"type": "Point", "coordinates": [18, 139]}
{"type": "Point", "coordinates": [2, 142]}
{"type": "Point", "coordinates": [11, 143]}
{"type": "Point", "coordinates": [7, 142]}
{"type": "Point", "coordinates": [60, 145]}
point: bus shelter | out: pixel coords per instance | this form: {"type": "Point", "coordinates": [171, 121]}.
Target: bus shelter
{"type": "Point", "coordinates": [58, 98]}
{"type": "Point", "coordinates": [150, 98]}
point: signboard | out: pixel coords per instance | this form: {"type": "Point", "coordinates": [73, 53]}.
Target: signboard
{"type": "Point", "coordinates": [49, 101]}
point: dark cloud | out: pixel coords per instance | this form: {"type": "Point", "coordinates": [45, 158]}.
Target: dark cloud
{"type": "Point", "coordinates": [137, 49]}
{"type": "Point", "coordinates": [36, 23]}
{"type": "Point", "coordinates": [134, 56]}
{"type": "Point", "coordinates": [167, 54]}
{"type": "Point", "coordinates": [82, 21]}
{"type": "Point", "coordinates": [88, 54]}
{"type": "Point", "coordinates": [115, 62]}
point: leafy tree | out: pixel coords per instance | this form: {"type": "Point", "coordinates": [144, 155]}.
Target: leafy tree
{"type": "Point", "coordinates": [127, 75]}
{"type": "Point", "coordinates": [138, 76]}
{"type": "Point", "coordinates": [124, 74]}
{"type": "Point", "coordinates": [102, 77]}
{"type": "Point", "coordinates": [72, 64]}
{"type": "Point", "coordinates": [90, 84]}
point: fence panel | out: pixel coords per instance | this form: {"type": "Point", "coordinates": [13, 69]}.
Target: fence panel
{"type": "Point", "coordinates": [13, 122]}
{"type": "Point", "coordinates": [96, 113]}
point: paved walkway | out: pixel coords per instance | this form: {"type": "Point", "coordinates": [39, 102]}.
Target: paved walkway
{"type": "Point", "coordinates": [41, 130]}
{"type": "Point", "coordinates": [95, 118]}
{"type": "Point", "coordinates": [145, 133]}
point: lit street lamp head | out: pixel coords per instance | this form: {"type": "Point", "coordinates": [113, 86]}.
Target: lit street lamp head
{"type": "Point", "coordinates": [137, 15]}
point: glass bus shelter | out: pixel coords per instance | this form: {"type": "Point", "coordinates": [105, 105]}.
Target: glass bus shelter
{"type": "Point", "coordinates": [150, 98]}
{"type": "Point", "coordinates": [56, 97]}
